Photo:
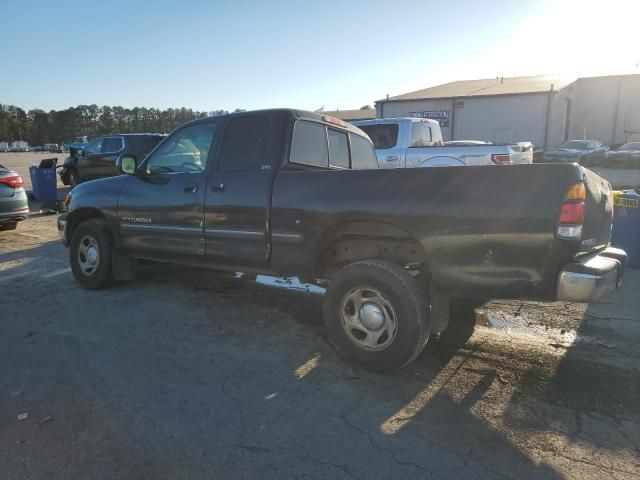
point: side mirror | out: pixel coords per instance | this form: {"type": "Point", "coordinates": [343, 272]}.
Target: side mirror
{"type": "Point", "coordinates": [127, 163]}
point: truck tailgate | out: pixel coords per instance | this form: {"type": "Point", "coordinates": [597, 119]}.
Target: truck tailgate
{"type": "Point", "coordinates": [598, 211]}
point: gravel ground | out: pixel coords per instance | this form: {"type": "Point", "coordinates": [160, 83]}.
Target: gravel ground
{"type": "Point", "coordinates": [197, 374]}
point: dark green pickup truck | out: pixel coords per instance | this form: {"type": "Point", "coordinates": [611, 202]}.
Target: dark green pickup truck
{"type": "Point", "coordinates": [288, 192]}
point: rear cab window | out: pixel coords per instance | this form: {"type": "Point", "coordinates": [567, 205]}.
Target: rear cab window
{"type": "Point", "coordinates": [383, 136]}
{"type": "Point", "coordinates": [318, 145]}
{"type": "Point", "coordinates": [338, 148]}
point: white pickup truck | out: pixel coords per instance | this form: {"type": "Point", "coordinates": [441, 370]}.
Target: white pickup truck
{"type": "Point", "coordinates": [417, 142]}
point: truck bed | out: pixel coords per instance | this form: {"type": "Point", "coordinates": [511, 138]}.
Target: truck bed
{"type": "Point", "coordinates": [486, 231]}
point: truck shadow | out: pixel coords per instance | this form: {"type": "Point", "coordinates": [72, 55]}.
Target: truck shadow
{"type": "Point", "coordinates": [422, 417]}
{"type": "Point", "coordinates": [590, 393]}
{"type": "Point", "coordinates": [15, 264]}
{"type": "Point", "coordinates": [425, 420]}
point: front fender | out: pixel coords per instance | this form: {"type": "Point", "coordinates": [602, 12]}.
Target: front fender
{"type": "Point", "coordinates": [96, 199]}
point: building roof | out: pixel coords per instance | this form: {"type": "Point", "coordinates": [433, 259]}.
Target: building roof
{"type": "Point", "coordinates": [348, 115]}
{"type": "Point", "coordinates": [488, 86]}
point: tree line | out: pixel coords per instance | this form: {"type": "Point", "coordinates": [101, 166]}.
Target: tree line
{"type": "Point", "coordinates": [60, 126]}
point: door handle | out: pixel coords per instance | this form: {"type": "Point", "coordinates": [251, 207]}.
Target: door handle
{"type": "Point", "coordinates": [192, 188]}
{"type": "Point", "coordinates": [218, 188]}
{"type": "Point", "coordinates": [392, 158]}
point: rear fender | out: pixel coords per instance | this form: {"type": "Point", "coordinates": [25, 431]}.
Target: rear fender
{"type": "Point", "coordinates": [442, 162]}
{"type": "Point", "coordinates": [359, 240]}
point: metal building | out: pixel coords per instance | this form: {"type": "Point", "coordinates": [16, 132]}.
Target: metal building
{"type": "Point", "coordinates": [544, 110]}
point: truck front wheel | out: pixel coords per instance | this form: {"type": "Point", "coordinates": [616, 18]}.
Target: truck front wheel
{"type": "Point", "coordinates": [90, 254]}
{"type": "Point", "coordinates": [377, 314]}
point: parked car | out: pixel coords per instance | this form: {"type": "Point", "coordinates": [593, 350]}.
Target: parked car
{"type": "Point", "coordinates": [53, 148]}
{"type": "Point", "coordinates": [4, 147]}
{"type": "Point", "coordinates": [19, 146]}
{"type": "Point", "coordinates": [76, 145]}
{"type": "Point", "coordinates": [417, 142]}
{"type": "Point", "coordinates": [98, 158]}
{"type": "Point", "coordinates": [625, 156]}
{"type": "Point", "coordinates": [584, 152]}
{"type": "Point", "coordinates": [39, 148]}
{"type": "Point", "coordinates": [294, 193]}
{"type": "Point", "coordinates": [14, 204]}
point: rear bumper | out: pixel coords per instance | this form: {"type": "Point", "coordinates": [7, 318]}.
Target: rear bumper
{"type": "Point", "coordinates": [589, 280]}
{"type": "Point", "coordinates": [10, 218]}
{"type": "Point", "coordinates": [14, 209]}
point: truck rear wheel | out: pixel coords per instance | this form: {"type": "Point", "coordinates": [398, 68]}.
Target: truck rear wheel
{"type": "Point", "coordinates": [90, 254]}
{"type": "Point", "coordinates": [377, 314]}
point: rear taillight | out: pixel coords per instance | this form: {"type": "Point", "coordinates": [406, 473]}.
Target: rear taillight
{"type": "Point", "coordinates": [572, 213]}
{"type": "Point", "coordinates": [571, 217]}
{"type": "Point", "coordinates": [500, 158]}
{"type": "Point", "coordinates": [13, 182]}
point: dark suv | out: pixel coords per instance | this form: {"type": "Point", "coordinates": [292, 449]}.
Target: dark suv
{"type": "Point", "coordinates": [98, 158]}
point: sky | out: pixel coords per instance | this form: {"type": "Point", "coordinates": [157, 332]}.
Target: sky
{"type": "Point", "coordinates": [210, 55]}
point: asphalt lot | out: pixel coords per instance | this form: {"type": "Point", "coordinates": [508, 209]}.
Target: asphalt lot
{"type": "Point", "coordinates": [198, 374]}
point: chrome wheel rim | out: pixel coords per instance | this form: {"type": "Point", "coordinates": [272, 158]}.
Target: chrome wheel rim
{"type": "Point", "coordinates": [368, 318]}
{"type": "Point", "coordinates": [88, 255]}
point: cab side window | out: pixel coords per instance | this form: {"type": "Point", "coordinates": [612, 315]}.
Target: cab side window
{"type": "Point", "coordinates": [310, 144]}
{"type": "Point", "coordinates": [420, 135]}
{"type": "Point", "coordinates": [112, 145]}
{"type": "Point", "coordinates": [338, 149]}
{"type": "Point", "coordinates": [316, 145]}
{"type": "Point", "coordinates": [245, 144]}
{"type": "Point", "coordinates": [186, 150]}
{"type": "Point", "coordinates": [363, 156]}
{"type": "Point", "coordinates": [94, 147]}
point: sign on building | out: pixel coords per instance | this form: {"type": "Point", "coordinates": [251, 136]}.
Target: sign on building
{"type": "Point", "coordinates": [442, 116]}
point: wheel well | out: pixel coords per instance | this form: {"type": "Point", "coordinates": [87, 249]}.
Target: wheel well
{"type": "Point", "coordinates": [82, 215]}
{"type": "Point", "coordinates": [348, 243]}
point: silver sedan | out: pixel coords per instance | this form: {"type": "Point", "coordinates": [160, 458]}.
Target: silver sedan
{"type": "Point", "coordinates": [14, 204]}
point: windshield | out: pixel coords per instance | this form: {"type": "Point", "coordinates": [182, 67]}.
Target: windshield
{"type": "Point", "coordinates": [630, 146]}
{"type": "Point", "coordinates": [575, 145]}
{"type": "Point", "coordinates": [186, 150]}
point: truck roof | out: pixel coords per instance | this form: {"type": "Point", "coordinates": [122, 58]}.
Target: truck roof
{"type": "Point", "coordinates": [296, 114]}
{"type": "Point", "coordinates": [376, 121]}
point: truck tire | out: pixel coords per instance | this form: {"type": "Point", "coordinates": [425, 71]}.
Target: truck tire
{"type": "Point", "coordinates": [377, 315]}
{"type": "Point", "coordinates": [462, 321]}
{"type": "Point", "coordinates": [90, 254]}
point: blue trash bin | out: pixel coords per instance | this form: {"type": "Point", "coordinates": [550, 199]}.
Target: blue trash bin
{"type": "Point", "coordinates": [626, 224]}
{"type": "Point", "coordinates": [44, 183]}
